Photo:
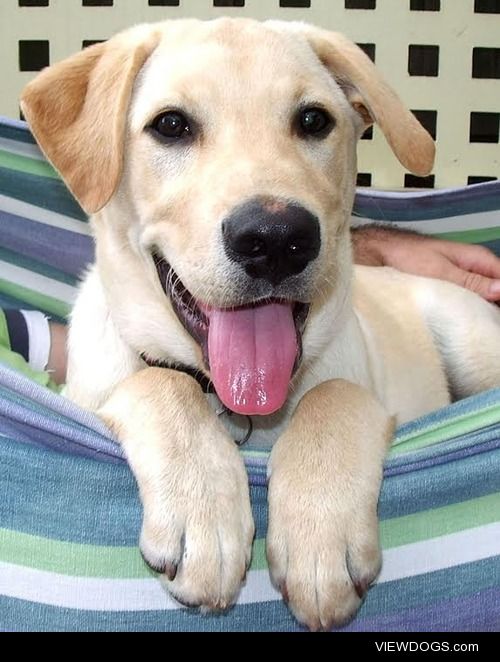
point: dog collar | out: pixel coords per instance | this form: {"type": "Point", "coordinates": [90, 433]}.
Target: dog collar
{"type": "Point", "coordinates": [205, 383]}
{"type": "Point", "coordinates": [206, 386]}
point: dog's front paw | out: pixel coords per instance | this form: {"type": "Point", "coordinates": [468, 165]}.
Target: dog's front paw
{"type": "Point", "coordinates": [322, 554]}
{"type": "Point", "coordinates": [197, 531]}
{"type": "Point", "coordinates": [325, 474]}
{"type": "Point", "coordinates": [197, 526]}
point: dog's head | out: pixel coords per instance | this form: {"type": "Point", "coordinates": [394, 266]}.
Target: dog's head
{"type": "Point", "coordinates": [221, 157]}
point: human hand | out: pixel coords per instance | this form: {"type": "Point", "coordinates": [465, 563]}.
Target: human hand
{"type": "Point", "coordinates": [471, 266]}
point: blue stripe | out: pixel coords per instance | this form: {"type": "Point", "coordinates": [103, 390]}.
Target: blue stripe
{"type": "Point", "coordinates": [493, 245]}
{"type": "Point", "coordinates": [381, 206]}
{"type": "Point", "coordinates": [107, 494]}
{"type": "Point", "coordinates": [35, 266]}
{"type": "Point", "coordinates": [478, 612]}
{"type": "Point", "coordinates": [15, 130]}
{"type": "Point", "coordinates": [64, 490]}
{"type": "Point", "coordinates": [67, 251]}
{"type": "Point", "coordinates": [421, 604]}
{"type": "Point", "coordinates": [440, 485]}
{"type": "Point", "coordinates": [18, 333]}
{"type": "Point", "coordinates": [45, 192]}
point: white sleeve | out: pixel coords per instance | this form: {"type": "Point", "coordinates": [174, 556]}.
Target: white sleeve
{"type": "Point", "coordinates": [39, 338]}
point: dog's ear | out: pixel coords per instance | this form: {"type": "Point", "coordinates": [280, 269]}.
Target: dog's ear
{"type": "Point", "coordinates": [373, 99]}
{"type": "Point", "coordinates": [77, 111]}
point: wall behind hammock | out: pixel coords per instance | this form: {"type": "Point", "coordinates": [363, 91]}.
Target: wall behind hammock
{"type": "Point", "coordinates": [443, 57]}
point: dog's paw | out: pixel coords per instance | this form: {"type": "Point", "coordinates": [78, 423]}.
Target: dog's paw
{"type": "Point", "coordinates": [325, 473]}
{"type": "Point", "coordinates": [322, 556]}
{"type": "Point", "coordinates": [197, 525]}
{"type": "Point", "coordinates": [198, 530]}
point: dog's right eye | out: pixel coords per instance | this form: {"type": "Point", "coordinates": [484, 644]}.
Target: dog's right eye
{"type": "Point", "coordinates": [171, 125]}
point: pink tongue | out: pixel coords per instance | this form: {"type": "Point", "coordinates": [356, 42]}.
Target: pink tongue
{"type": "Point", "coordinates": [252, 352]}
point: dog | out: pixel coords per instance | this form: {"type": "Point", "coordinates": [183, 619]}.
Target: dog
{"type": "Point", "coordinates": [217, 161]}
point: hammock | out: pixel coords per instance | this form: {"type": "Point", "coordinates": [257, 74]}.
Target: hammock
{"type": "Point", "coordinates": [69, 511]}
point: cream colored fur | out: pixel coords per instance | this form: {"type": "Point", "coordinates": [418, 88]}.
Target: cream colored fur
{"type": "Point", "coordinates": [379, 346]}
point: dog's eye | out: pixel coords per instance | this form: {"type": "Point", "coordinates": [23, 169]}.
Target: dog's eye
{"type": "Point", "coordinates": [314, 122]}
{"type": "Point", "coordinates": [172, 125]}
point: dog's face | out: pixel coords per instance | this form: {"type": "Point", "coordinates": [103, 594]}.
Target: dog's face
{"type": "Point", "coordinates": [238, 143]}
{"type": "Point", "coordinates": [240, 161]}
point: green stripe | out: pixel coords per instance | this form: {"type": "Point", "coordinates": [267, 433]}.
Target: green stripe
{"type": "Point", "coordinates": [469, 422]}
{"type": "Point", "coordinates": [17, 362]}
{"type": "Point", "coordinates": [39, 301]}
{"type": "Point", "coordinates": [439, 522]}
{"type": "Point", "coordinates": [479, 236]}
{"type": "Point", "coordinates": [75, 559]}
{"type": "Point", "coordinates": [27, 165]}
{"type": "Point", "coordinates": [79, 560]}
{"type": "Point", "coordinates": [4, 332]}
{"type": "Point", "coordinates": [71, 558]}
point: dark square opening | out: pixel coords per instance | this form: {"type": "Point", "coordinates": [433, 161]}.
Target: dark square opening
{"type": "Point", "coordinates": [425, 5]}
{"type": "Point", "coordinates": [368, 134]}
{"type": "Point", "coordinates": [229, 3]}
{"type": "Point", "coordinates": [364, 179]}
{"type": "Point", "coordinates": [487, 6]}
{"type": "Point", "coordinates": [428, 119]}
{"type": "Point", "coordinates": [412, 181]}
{"type": "Point", "coordinates": [360, 4]}
{"type": "Point", "coordinates": [479, 179]}
{"type": "Point", "coordinates": [33, 55]}
{"type": "Point", "coordinates": [91, 42]}
{"type": "Point", "coordinates": [295, 3]}
{"type": "Point", "coordinates": [369, 49]}
{"type": "Point", "coordinates": [97, 3]}
{"type": "Point", "coordinates": [484, 127]}
{"type": "Point", "coordinates": [33, 3]}
{"type": "Point", "coordinates": [423, 60]}
{"type": "Point", "coordinates": [486, 63]}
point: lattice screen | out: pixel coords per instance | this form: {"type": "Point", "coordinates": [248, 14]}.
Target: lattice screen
{"type": "Point", "coordinates": [443, 56]}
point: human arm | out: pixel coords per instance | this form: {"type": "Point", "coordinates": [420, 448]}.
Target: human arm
{"type": "Point", "coordinates": [471, 266]}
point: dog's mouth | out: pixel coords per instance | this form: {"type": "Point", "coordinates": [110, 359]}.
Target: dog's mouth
{"type": "Point", "coordinates": [251, 351]}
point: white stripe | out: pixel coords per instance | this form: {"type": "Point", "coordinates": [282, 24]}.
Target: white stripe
{"type": "Point", "coordinates": [21, 149]}
{"type": "Point", "coordinates": [39, 215]}
{"type": "Point", "coordinates": [94, 593]}
{"type": "Point", "coordinates": [38, 283]}
{"type": "Point", "coordinates": [418, 558]}
{"type": "Point", "coordinates": [477, 221]}
{"type": "Point", "coordinates": [148, 594]}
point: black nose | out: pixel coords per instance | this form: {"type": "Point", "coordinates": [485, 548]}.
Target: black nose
{"type": "Point", "coordinates": [272, 239]}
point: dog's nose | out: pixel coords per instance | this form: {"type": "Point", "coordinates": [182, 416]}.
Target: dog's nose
{"type": "Point", "coordinates": [271, 238]}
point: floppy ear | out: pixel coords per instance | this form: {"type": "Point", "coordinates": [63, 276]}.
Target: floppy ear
{"type": "Point", "coordinates": [77, 111]}
{"type": "Point", "coordinates": [373, 98]}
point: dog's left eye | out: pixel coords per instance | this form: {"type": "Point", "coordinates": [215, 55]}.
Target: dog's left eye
{"type": "Point", "coordinates": [314, 122]}
{"type": "Point", "coordinates": [172, 125]}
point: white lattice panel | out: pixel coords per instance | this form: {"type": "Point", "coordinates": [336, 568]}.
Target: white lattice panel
{"type": "Point", "coordinates": [456, 37]}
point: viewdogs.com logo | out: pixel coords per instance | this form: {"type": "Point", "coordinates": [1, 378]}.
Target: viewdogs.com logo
{"type": "Point", "coordinates": [424, 646]}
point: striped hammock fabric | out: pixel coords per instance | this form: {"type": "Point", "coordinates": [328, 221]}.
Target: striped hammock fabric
{"type": "Point", "coordinates": [69, 511]}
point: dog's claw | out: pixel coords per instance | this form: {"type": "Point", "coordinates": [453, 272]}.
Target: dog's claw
{"type": "Point", "coordinates": [161, 566]}
{"type": "Point", "coordinates": [171, 570]}
{"type": "Point", "coordinates": [361, 587]}
{"type": "Point", "coordinates": [284, 593]}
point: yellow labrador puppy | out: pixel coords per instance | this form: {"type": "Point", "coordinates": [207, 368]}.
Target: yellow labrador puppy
{"type": "Point", "coordinates": [218, 162]}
